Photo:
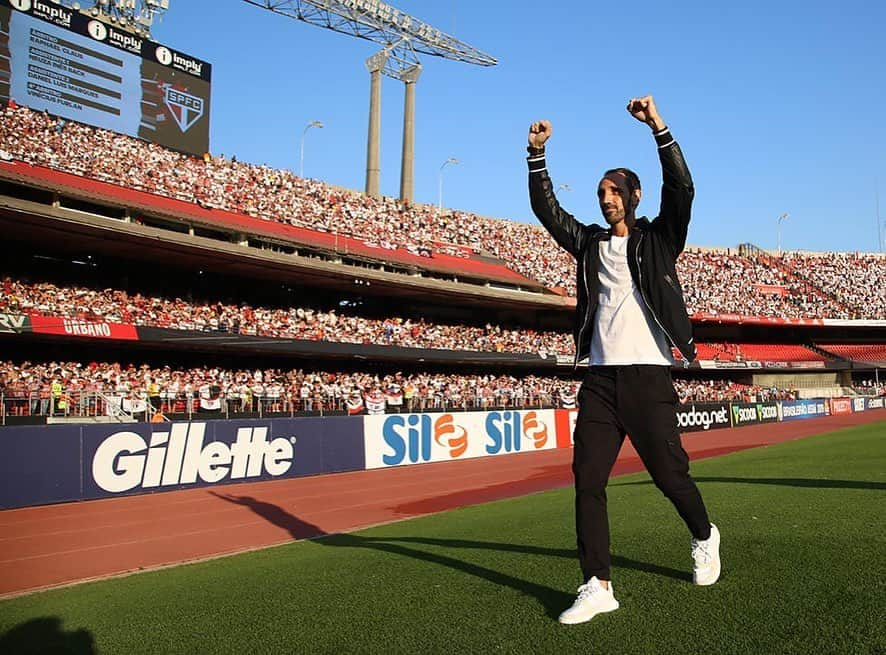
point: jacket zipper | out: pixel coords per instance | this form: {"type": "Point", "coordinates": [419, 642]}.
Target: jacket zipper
{"type": "Point", "coordinates": [584, 323]}
{"type": "Point", "coordinates": [646, 302]}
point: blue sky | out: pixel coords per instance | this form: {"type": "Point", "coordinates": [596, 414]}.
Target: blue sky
{"type": "Point", "coordinates": [778, 105]}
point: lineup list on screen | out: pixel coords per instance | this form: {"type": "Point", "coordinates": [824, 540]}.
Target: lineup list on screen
{"type": "Point", "coordinates": [73, 76]}
{"type": "Point", "coordinates": [58, 60]}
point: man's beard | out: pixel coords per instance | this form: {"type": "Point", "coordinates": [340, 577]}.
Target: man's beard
{"type": "Point", "coordinates": [612, 218]}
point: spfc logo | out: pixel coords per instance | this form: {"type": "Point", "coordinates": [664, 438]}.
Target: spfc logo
{"type": "Point", "coordinates": [185, 108]}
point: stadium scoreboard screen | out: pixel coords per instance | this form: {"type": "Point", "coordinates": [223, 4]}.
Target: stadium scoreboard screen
{"type": "Point", "coordinates": [59, 60]}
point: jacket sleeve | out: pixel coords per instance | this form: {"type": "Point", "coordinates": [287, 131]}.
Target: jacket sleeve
{"type": "Point", "coordinates": [566, 230]}
{"type": "Point", "coordinates": [677, 192]}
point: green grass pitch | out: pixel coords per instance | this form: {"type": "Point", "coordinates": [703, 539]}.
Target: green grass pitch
{"type": "Point", "coordinates": [804, 571]}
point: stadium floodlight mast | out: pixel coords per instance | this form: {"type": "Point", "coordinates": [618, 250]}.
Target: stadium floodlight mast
{"type": "Point", "coordinates": [451, 160]}
{"type": "Point", "coordinates": [136, 16]}
{"type": "Point", "coordinates": [780, 219]}
{"type": "Point", "coordinates": [877, 205]}
{"type": "Point", "coordinates": [301, 150]}
{"type": "Point", "coordinates": [403, 37]}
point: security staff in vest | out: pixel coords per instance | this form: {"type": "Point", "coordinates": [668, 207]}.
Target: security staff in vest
{"type": "Point", "coordinates": [630, 311]}
{"type": "Point", "coordinates": [58, 399]}
{"type": "Point", "coordinates": [154, 395]}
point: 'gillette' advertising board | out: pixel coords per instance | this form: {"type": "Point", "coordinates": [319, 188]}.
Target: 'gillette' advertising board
{"type": "Point", "coordinates": [100, 461]}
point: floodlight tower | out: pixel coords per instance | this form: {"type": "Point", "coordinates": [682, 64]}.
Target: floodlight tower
{"type": "Point", "coordinates": [403, 37]}
{"type": "Point", "coordinates": [131, 15]}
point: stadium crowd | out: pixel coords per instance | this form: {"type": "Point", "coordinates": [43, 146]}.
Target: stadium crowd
{"type": "Point", "coordinates": [720, 283]}
{"type": "Point", "coordinates": [696, 391]}
{"type": "Point", "coordinates": [305, 323]}
{"type": "Point", "coordinates": [118, 306]}
{"type": "Point", "coordinates": [857, 280]}
{"type": "Point", "coordinates": [29, 387]}
{"type": "Point", "coordinates": [848, 286]}
{"type": "Point", "coordinates": [37, 388]}
{"type": "Point", "coordinates": [870, 387]}
{"type": "Point", "coordinates": [274, 194]}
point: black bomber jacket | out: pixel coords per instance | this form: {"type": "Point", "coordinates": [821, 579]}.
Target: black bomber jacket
{"type": "Point", "coordinates": [653, 248]}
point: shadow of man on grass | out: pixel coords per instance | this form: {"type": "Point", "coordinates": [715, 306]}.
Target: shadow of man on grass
{"type": "Point", "coordinates": [553, 600]}
{"type": "Point", "coordinates": [45, 636]}
{"type": "Point", "coordinates": [811, 483]}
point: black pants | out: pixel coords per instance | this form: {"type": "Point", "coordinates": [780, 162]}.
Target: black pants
{"type": "Point", "coordinates": [638, 400]}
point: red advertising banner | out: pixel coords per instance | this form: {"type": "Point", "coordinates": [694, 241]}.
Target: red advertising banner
{"type": "Point", "coordinates": [754, 320]}
{"type": "Point", "coordinates": [73, 327]}
{"type": "Point", "coordinates": [841, 406]}
{"type": "Point", "coordinates": [771, 289]}
{"type": "Point", "coordinates": [565, 422]}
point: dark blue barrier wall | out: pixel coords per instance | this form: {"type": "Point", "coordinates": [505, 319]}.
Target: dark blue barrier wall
{"type": "Point", "coordinates": [54, 463]}
{"type": "Point", "coordinates": [39, 465]}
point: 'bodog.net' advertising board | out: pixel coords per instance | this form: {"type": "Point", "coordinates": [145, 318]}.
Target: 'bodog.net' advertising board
{"type": "Point", "coordinates": [69, 64]}
{"type": "Point", "coordinates": [697, 417]}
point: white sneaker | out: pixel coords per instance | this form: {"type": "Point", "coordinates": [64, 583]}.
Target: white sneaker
{"type": "Point", "coordinates": [706, 559]}
{"type": "Point", "coordinates": [593, 599]}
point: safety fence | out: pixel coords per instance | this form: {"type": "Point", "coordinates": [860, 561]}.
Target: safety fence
{"type": "Point", "coordinates": [127, 407]}
{"type": "Point", "coordinates": [56, 463]}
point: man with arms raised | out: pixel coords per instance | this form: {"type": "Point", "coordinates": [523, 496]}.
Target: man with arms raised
{"type": "Point", "coordinates": [630, 311]}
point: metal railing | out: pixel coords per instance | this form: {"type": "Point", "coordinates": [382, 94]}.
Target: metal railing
{"type": "Point", "coordinates": [122, 407]}
{"type": "Point", "coordinates": [68, 405]}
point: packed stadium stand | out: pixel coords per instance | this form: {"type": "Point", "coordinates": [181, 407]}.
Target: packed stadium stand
{"type": "Point", "coordinates": [91, 387]}
{"type": "Point", "coordinates": [797, 286]}
{"type": "Point", "coordinates": [308, 323]}
{"type": "Point", "coordinates": [152, 281]}
{"type": "Point", "coordinates": [182, 390]}
{"type": "Point", "coordinates": [81, 303]}
{"type": "Point", "coordinates": [853, 279]}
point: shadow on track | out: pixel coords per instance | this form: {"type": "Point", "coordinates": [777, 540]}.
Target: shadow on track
{"type": "Point", "coordinates": [275, 515]}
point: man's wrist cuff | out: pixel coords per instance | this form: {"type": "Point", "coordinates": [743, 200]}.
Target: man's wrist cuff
{"type": "Point", "coordinates": [663, 137]}
{"type": "Point", "coordinates": [536, 159]}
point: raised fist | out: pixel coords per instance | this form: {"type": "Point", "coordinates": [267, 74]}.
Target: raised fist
{"type": "Point", "coordinates": [539, 133]}
{"type": "Point", "coordinates": [643, 109]}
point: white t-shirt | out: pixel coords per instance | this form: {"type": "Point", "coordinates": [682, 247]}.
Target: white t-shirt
{"type": "Point", "coordinates": [624, 330]}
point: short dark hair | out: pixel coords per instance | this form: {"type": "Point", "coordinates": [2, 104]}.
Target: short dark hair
{"type": "Point", "coordinates": [630, 176]}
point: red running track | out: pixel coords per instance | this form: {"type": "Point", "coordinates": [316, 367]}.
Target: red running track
{"type": "Point", "coordinates": [55, 545]}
